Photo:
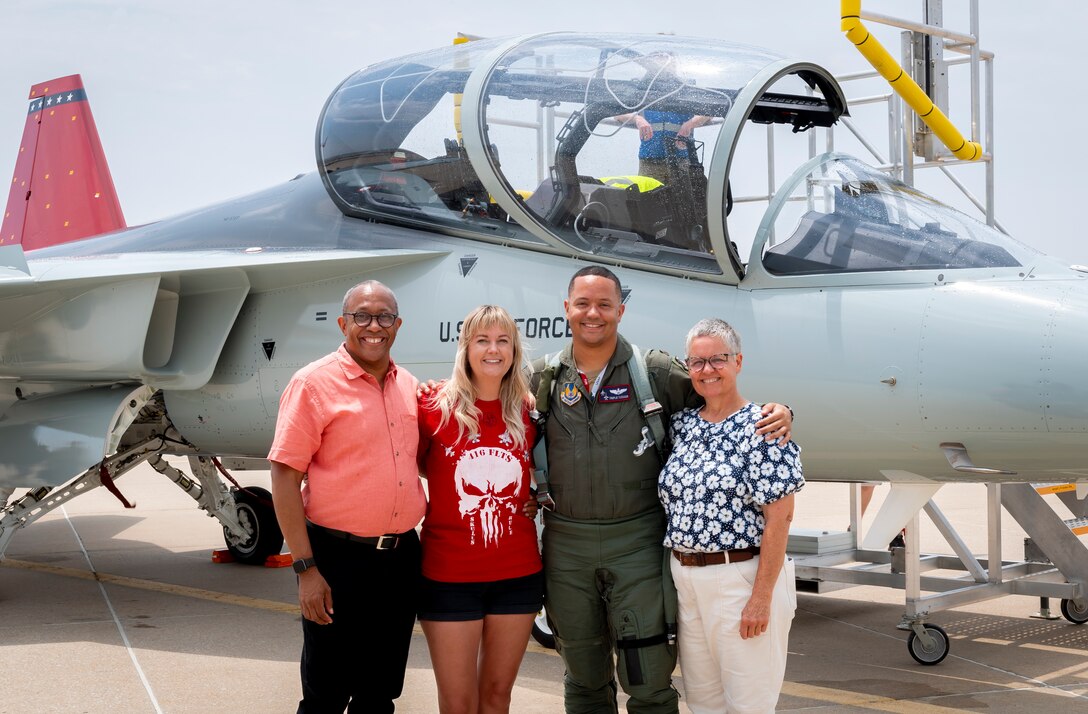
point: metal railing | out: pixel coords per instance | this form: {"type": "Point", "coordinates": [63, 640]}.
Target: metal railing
{"type": "Point", "coordinates": [899, 159]}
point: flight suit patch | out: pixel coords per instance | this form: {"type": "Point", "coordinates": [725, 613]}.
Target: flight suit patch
{"type": "Point", "coordinates": [570, 394]}
{"type": "Point", "coordinates": [614, 393]}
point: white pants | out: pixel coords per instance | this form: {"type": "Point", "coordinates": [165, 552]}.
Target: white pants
{"type": "Point", "coordinates": [722, 672]}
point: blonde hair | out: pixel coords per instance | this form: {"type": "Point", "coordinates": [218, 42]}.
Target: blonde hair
{"type": "Point", "coordinates": [456, 398]}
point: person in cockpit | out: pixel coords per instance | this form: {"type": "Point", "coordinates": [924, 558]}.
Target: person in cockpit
{"type": "Point", "coordinates": [665, 156]}
{"type": "Point", "coordinates": [655, 129]}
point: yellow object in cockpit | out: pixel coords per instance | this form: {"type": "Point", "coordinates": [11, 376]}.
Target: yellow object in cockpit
{"type": "Point", "coordinates": [644, 183]}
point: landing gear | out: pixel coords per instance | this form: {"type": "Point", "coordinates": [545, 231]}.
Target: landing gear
{"type": "Point", "coordinates": [249, 521]}
{"type": "Point", "coordinates": [257, 516]}
{"type": "Point", "coordinates": [144, 433]}
{"type": "Point", "coordinates": [1076, 611]}
{"type": "Point", "coordinates": [927, 644]}
{"type": "Point", "coordinates": [542, 632]}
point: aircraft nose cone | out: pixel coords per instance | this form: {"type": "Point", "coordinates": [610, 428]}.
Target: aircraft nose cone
{"type": "Point", "coordinates": [1001, 371]}
{"type": "Point", "coordinates": [1005, 357]}
{"type": "Point", "coordinates": [1062, 383]}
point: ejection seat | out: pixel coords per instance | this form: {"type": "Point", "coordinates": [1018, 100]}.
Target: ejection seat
{"type": "Point", "coordinates": [629, 208]}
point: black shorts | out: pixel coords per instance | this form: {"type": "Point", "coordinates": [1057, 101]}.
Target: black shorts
{"type": "Point", "coordinates": [461, 602]}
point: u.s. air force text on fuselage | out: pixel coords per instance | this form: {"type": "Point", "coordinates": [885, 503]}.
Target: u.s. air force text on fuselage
{"type": "Point", "coordinates": [531, 328]}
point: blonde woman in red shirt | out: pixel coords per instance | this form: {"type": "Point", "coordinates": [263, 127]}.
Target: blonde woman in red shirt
{"type": "Point", "coordinates": [483, 582]}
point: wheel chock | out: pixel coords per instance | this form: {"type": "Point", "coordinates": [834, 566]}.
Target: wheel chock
{"type": "Point", "coordinates": [281, 560]}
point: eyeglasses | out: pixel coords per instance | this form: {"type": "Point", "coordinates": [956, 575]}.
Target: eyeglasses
{"type": "Point", "coordinates": [362, 319]}
{"type": "Point", "coordinates": [696, 364]}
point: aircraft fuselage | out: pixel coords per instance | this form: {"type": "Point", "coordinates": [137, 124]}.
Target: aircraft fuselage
{"type": "Point", "coordinates": [879, 375]}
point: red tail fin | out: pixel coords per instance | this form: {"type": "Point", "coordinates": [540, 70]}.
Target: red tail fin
{"type": "Point", "coordinates": [62, 190]}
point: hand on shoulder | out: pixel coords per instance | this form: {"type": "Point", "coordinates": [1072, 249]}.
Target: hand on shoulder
{"type": "Point", "coordinates": [428, 389]}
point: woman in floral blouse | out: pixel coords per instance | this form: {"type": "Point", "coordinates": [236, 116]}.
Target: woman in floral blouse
{"type": "Point", "coordinates": [728, 496]}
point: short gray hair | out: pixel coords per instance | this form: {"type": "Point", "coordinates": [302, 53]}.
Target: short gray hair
{"type": "Point", "coordinates": [715, 327]}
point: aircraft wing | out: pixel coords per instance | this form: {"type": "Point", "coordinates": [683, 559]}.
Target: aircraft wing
{"type": "Point", "coordinates": [91, 339]}
{"type": "Point", "coordinates": [158, 319]}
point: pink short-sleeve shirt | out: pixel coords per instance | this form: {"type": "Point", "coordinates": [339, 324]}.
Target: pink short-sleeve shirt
{"type": "Point", "coordinates": [355, 442]}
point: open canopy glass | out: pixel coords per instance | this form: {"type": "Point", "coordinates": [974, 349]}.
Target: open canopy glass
{"type": "Point", "coordinates": [602, 145]}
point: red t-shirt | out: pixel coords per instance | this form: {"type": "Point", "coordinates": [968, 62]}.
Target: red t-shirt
{"type": "Point", "coordinates": [475, 530]}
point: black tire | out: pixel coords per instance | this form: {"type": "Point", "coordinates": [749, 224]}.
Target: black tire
{"type": "Point", "coordinates": [542, 631]}
{"type": "Point", "coordinates": [1076, 611]}
{"type": "Point", "coordinates": [256, 513]}
{"type": "Point", "coordinates": [936, 653]}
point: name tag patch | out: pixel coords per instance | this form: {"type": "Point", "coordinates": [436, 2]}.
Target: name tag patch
{"type": "Point", "coordinates": [614, 393]}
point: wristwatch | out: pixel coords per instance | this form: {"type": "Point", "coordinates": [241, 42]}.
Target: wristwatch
{"type": "Point", "coordinates": [301, 565]}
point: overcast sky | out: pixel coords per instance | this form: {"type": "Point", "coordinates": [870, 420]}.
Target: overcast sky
{"type": "Point", "coordinates": [201, 101]}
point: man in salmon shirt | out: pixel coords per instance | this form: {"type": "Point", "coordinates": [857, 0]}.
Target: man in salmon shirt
{"type": "Point", "coordinates": [347, 435]}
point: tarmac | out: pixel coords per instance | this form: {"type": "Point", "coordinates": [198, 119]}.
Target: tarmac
{"type": "Point", "coordinates": [104, 609]}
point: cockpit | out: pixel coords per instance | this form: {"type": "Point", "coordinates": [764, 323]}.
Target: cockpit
{"type": "Point", "coordinates": [619, 147]}
{"type": "Point", "coordinates": [851, 218]}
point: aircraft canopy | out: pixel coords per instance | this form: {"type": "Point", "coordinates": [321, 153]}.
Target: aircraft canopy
{"type": "Point", "coordinates": [837, 215]}
{"type": "Point", "coordinates": [537, 140]}
{"type": "Point", "coordinates": [619, 147]}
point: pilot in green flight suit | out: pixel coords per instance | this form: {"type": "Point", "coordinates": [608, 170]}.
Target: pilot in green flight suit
{"type": "Point", "coordinates": [604, 563]}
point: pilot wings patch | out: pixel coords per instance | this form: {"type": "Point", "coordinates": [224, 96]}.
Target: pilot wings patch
{"type": "Point", "coordinates": [614, 393]}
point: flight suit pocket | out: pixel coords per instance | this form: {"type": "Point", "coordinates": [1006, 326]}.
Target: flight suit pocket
{"type": "Point", "coordinates": [633, 464]}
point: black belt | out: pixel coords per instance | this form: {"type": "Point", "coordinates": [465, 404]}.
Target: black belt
{"type": "Point", "coordinates": [718, 558]}
{"type": "Point", "coordinates": [382, 542]}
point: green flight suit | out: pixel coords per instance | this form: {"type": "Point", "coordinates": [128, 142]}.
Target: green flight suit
{"type": "Point", "coordinates": [604, 563]}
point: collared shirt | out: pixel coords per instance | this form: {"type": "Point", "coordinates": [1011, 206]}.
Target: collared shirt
{"type": "Point", "coordinates": [355, 442]}
{"type": "Point", "coordinates": [718, 478]}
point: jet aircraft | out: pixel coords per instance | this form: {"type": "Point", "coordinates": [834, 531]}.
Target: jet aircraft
{"type": "Point", "coordinates": [916, 344]}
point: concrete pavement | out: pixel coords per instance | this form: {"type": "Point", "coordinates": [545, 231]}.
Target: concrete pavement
{"type": "Point", "coordinates": [162, 628]}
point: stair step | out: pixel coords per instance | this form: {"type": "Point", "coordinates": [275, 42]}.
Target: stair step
{"type": "Point", "coordinates": [1079, 526]}
{"type": "Point", "coordinates": [1045, 488]}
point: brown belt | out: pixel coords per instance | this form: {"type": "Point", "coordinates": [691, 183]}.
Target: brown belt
{"type": "Point", "coordinates": [718, 558]}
